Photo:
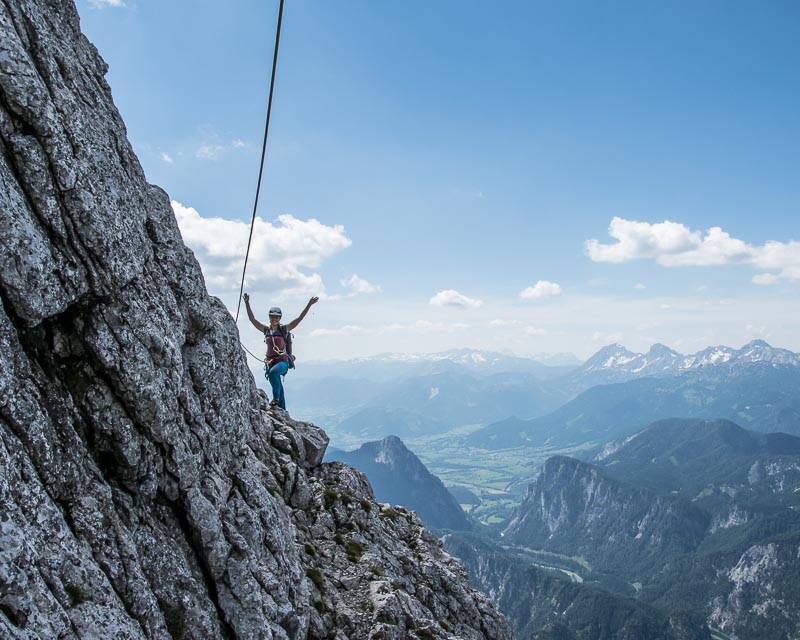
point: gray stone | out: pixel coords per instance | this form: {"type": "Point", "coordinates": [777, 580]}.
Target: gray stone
{"type": "Point", "coordinates": [315, 442]}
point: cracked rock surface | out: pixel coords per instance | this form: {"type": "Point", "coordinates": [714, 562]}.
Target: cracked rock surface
{"type": "Point", "coordinates": [146, 489]}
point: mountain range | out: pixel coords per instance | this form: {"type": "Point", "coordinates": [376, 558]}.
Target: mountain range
{"type": "Point", "coordinates": [545, 604]}
{"type": "Point", "coordinates": [762, 395]}
{"type": "Point", "coordinates": [424, 394]}
{"type": "Point", "coordinates": [423, 404]}
{"type": "Point", "coordinates": [615, 363]}
{"type": "Point", "coordinates": [693, 516]}
{"type": "Point", "coordinates": [390, 366]}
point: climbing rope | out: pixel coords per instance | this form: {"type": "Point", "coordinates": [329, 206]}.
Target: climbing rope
{"type": "Point", "coordinates": [263, 154]}
{"type": "Point", "coordinates": [252, 354]}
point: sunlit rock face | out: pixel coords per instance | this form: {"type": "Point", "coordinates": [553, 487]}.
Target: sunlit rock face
{"type": "Point", "coordinates": [146, 489]}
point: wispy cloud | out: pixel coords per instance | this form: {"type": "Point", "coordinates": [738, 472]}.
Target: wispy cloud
{"type": "Point", "coordinates": [347, 330]}
{"type": "Point", "coordinates": [281, 254]}
{"type": "Point", "coordinates": [606, 338]}
{"type": "Point", "coordinates": [499, 322]}
{"type": "Point", "coordinates": [166, 157]}
{"type": "Point", "coordinates": [765, 278]}
{"type": "Point", "coordinates": [518, 327]}
{"type": "Point", "coordinates": [757, 331]}
{"type": "Point", "coordinates": [358, 285]}
{"type": "Point", "coordinates": [209, 151]}
{"type": "Point", "coordinates": [640, 285]}
{"type": "Point", "coordinates": [452, 298]}
{"type": "Point", "coordinates": [542, 289]}
{"type": "Point", "coordinates": [534, 331]}
{"type": "Point", "coordinates": [102, 4]}
{"type": "Point", "coordinates": [672, 244]}
{"type": "Point", "coordinates": [423, 325]}
{"type": "Point", "coordinates": [238, 143]}
{"type": "Point", "coordinates": [395, 327]}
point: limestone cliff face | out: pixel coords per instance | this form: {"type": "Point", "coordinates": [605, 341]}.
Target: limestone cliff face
{"type": "Point", "coordinates": [146, 490]}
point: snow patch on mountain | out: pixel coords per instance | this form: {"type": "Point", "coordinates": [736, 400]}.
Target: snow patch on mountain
{"type": "Point", "coordinates": [615, 363]}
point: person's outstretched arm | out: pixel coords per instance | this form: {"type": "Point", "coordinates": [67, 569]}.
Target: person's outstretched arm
{"type": "Point", "coordinates": [261, 327]}
{"type": "Point", "coordinates": [291, 326]}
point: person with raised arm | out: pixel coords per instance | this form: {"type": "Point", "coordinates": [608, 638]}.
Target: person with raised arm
{"type": "Point", "coordinates": [278, 337]}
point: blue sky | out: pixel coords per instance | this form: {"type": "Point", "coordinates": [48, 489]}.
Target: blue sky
{"type": "Point", "coordinates": [459, 153]}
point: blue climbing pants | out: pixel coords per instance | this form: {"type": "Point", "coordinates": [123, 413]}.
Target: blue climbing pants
{"type": "Point", "coordinates": [274, 376]}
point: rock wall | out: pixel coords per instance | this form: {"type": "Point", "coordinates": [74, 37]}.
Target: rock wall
{"type": "Point", "coordinates": [146, 489]}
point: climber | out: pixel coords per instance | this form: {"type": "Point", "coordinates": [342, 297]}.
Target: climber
{"type": "Point", "coordinates": [276, 335]}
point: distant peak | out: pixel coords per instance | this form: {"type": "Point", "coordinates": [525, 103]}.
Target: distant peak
{"type": "Point", "coordinates": [612, 349]}
{"type": "Point", "coordinates": [758, 343]}
{"type": "Point", "coordinates": [393, 441]}
{"type": "Point", "coordinates": [609, 356]}
{"type": "Point", "coordinates": [660, 349]}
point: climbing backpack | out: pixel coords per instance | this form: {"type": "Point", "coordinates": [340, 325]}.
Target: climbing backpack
{"type": "Point", "coordinates": [287, 338]}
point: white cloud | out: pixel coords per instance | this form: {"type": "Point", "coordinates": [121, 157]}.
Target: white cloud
{"type": "Point", "coordinates": [607, 338]}
{"type": "Point", "coordinates": [208, 151]}
{"type": "Point", "coordinates": [505, 323]}
{"type": "Point", "coordinates": [102, 4]}
{"type": "Point", "coordinates": [418, 326]}
{"type": "Point", "coordinates": [452, 298]}
{"type": "Point", "coordinates": [347, 330]}
{"type": "Point", "coordinates": [642, 240]}
{"type": "Point", "coordinates": [534, 331]}
{"type": "Point", "coordinates": [639, 285]}
{"type": "Point", "coordinates": [359, 285]}
{"type": "Point", "coordinates": [672, 244]}
{"type": "Point", "coordinates": [238, 143]}
{"type": "Point", "coordinates": [166, 157]}
{"type": "Point", "coordinates": [757, 331]}
{"type": "Point", "coordinates": [765, 278]}
{"type": "Point", "coordinates": [542, 289]}
{"type": "Point", "coordinates": [281, 253]}
{"type": "Point", "coordinates": [519, 327]}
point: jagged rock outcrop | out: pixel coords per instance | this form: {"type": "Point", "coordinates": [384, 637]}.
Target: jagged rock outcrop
{"type": "Point", "coordinates": [575, 508]}
{"type": "Point", "coordinates": [398, 476]}
{"type": "Point", "coordinates": [146, 490]}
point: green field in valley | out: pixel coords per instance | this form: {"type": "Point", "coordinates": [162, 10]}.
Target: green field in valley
{"type": "Point", "coordinates": [499, 478]}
